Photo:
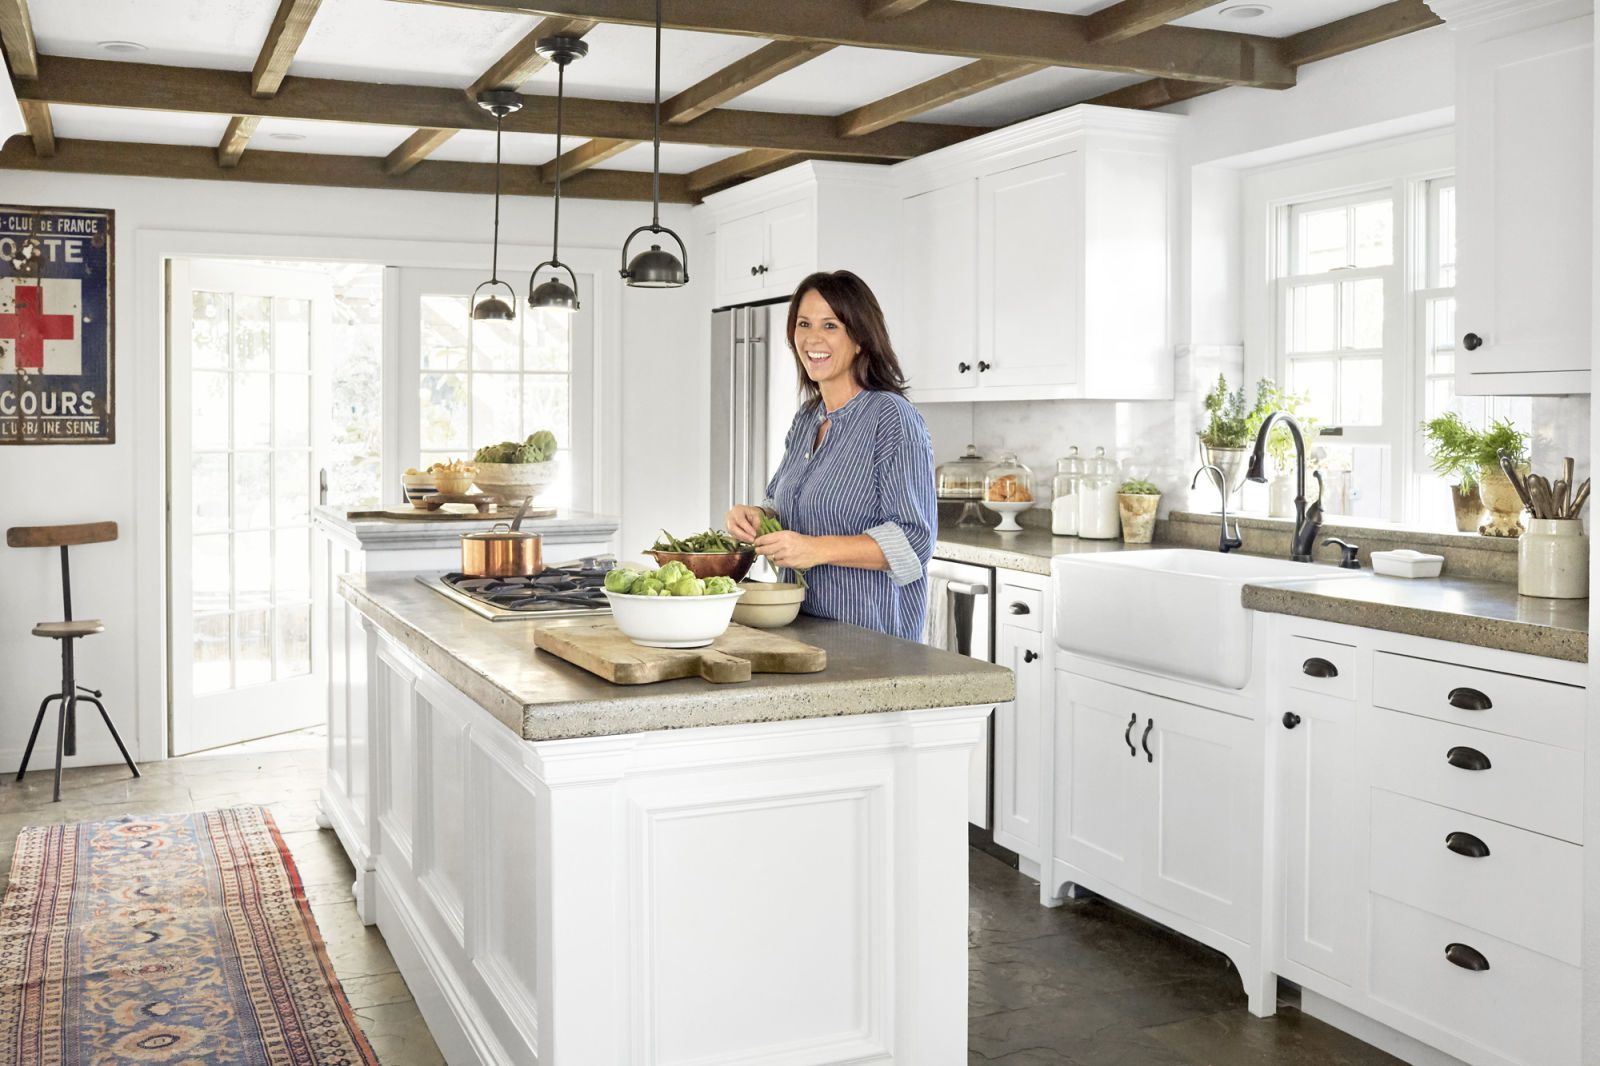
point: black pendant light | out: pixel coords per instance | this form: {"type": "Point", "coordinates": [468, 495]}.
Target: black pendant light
{"type": "Point", "coordinates": [656, 268]}
{"type": "Point", "coordinates": [555, 294]}
{"type": "Point", "coordinates": [499, 103]}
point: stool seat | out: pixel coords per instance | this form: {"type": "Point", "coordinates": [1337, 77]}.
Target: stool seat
{"type": "Point", "coordinates": [79, 627]}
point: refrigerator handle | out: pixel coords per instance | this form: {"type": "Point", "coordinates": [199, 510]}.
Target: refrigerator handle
{"type": "Point", "coordinates": [756, 458]}
{"type": "Point", "coordinates": [739, 456]}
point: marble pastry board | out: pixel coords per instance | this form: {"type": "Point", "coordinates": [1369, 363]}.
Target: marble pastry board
{"type": "Point", "coordinates": [600, 648]}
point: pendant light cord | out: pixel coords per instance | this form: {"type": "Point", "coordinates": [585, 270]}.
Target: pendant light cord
{"type": "Point", "coordinates": [655, 176]}
{"type": "Point", "coordinates": [561, 92]}
{"type": "Point", "coordinates": [494, 263]}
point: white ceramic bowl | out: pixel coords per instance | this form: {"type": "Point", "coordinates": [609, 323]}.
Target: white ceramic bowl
{"type": "Point", "coordinates": [417, 486]}
{"type": "Point", "coordinates": [515, 480]}
{"type": "Point", "coordinates": [768, 605]}
{"type": "Point", "coordinates": [673, 621]}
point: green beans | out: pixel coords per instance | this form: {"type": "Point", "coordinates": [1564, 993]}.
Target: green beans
{"type": "Point", "coordinates": [770, 524]}
{"type": "Point", "coordinates": [711, 542]}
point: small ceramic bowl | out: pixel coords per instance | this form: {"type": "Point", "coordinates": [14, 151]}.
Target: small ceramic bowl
{"type": "Point", "coordinates": [418, 486]}
{"type": "Point", "coordinates": [454, 484]}
{"type": "Point", "coordinates": [769, 605]}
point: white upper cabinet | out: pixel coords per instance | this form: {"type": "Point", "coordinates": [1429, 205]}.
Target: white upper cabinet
{"type": "Point", "coordinates": [771, 232]}
{"type": "Point", "coordinates": [1525, 166]}
{"type": "Point", "coordinates": [1048, 243]}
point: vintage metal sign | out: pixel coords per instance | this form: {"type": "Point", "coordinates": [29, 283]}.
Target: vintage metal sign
{"type": "Point", "coordinates": [55, 326]}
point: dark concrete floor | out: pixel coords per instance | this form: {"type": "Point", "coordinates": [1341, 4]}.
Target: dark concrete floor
{"type": "Point", "coordinates": [1086, 984]}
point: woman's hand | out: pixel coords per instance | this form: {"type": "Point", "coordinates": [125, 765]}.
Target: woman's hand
{"type": "Point", "coordinates": [793, 550]}
{"type": "Point", "coordinates": [744, 521]}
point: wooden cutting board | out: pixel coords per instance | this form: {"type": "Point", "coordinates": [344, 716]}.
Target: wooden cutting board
{"type": "Point", "coordinates": [468, 513]}
{"type": "Point", "coordinates": [600, 648]}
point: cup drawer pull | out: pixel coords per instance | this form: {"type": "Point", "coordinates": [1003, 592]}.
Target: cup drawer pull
{"type": "Point", "coordinates": [1467, 958]}
{"type": "Point", "coordinates": [1315, 667]}
{"type": "Point", "coordinates": [1465, 758]}
{"type": "Point", "coordinates": [1468, 699]}
{"type": "Point", "coordinates": [1467, 844]}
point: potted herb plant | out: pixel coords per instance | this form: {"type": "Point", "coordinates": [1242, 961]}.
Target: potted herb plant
{"type": "Point", "coordinates": [1137, 501]}
{"type": "Point", "coordinates": [1225, 440]}
{"type": "Point", "coordinates": [1503, 507]}
{"type": "Point", "coordinates": [1453, 449]}
{"type": "Point", "coordinates": [1280, 445]}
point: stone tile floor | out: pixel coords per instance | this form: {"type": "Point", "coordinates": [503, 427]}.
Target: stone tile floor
{"type": "Point", "coordinates": [1085, 984]}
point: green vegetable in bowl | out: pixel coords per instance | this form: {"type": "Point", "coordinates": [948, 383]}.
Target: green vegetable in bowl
{"type": "Point", "coordinates": [649, 585]}
{"type": "Point", "coordinates": [540, 447]}
{"type": "Point", "coordinates": [720, 586]}
{"type": "Point", "coordinates": [672, 572]}
{"type": "Point", "coordinates": [711, 542]}
{"type": "Point", "coordinates": [622, 579]}
{"type": "Point", "coordinates": [770, 524]}
{"type": "Point", "coordinates": [688, 586]}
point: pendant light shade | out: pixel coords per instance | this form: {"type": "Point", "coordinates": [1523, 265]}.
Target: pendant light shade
{"type": "Point", "coordinates": [656, 268]}
{"type": "Point", "coordinates": [499, 103]}
{"type": "Point", "coordinates": [553, 294]}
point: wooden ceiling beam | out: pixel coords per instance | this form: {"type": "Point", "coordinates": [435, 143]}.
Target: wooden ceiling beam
{"type": "Point", "coordinates": [958, 83]}
{"type": "Point", "coordinates": [41, 131]}
{"type": "Point", "coordinates": [1157, 92]}
{"type": "Point", "coordinates": [16, 34]}
{"type": "Point", "coordinates": [738, 78]}
{"type": "Point", "coordinates": [297, 168]}
{"type": "Point", "coordinates": [1133, 17]}
{"type": "Point", "coordinates": [751, 164]}
{"type": "Point", "coordinates": [1358, 31]}
{"type": "Point", "coordinates": [587, 155]}
{"type": "Point", "coordinates": [102, 83]}
{"type": "Point", "coordinates": [235, 138]}
{"type": "Point", "coordinates": [414, 149]}
{"type": "Point", "coordinates": [289, 28]}
{"type": "Point", "coordinates": [891, 9]}
{"type": "Point", "coordinates": [950, 27]}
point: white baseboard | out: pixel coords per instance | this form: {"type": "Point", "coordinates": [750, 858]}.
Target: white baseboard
{"type": "Point", "coordinates": [1373, 1031]}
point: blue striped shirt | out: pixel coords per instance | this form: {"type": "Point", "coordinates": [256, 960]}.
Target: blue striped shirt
{"type": "Point", "coordinates": [872, 475]}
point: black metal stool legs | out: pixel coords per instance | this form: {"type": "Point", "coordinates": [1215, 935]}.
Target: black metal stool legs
{"type": "Point", "coordinates": [61, 739]}
{"type": "Point", "coordinates": [27, 753]}
{"type": "Point", "coordinates": [106, 718]}
{"type": "Point", "coordinates": [66, 718]}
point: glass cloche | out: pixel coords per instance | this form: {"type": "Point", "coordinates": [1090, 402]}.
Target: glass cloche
{"type": "Point", "coordinates": [1008, 491]}
{"type": "Point", "coordinates": [962, 479]}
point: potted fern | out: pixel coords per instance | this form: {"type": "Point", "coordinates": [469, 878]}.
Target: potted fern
{"type": "Point", "coordinates": [1453, 448]}
{"type": "Point", "coordinates": [1225, 440]}
{"type": "Point", "coordinates": [1501, 503]}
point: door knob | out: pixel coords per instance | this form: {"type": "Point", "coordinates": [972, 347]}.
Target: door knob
{"type": "Point", "coordinates": [1290, 719]}
{"type": "Point", "coordinates": [1472, 342]}
{"type": "Point", "coordinates": [1029, 656]}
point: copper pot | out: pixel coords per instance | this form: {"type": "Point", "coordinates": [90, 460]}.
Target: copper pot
{"type": "Point", "coordinates": [501, 552]}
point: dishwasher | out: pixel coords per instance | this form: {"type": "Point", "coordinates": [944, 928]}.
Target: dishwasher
{"type": "Point", "coordinates": [961, 619]}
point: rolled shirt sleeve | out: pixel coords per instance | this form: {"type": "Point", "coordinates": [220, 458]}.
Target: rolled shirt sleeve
{"type": "Point", "coordinates": [906, 499]}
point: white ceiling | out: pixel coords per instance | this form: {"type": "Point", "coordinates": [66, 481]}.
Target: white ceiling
{"type": "Point", "coordinates": [423, 44]}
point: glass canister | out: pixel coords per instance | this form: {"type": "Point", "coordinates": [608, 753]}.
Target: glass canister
{"type": "Point", "coordinates": [963, 478]}
{"type": "Point", "coordinates": [1008, 491]}
{"type": "Point", "coordinates": [1064, 501]}
{"type": "Point", "coordinates": [1098, 517]}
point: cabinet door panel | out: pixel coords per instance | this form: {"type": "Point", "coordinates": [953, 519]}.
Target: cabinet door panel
{"type": "Point", "coordinates": [937, 330]}
{"type": "Point", "coordinates": [1317, 791]}
{"type": "Point", "coordinates": [1200, 775]}
{"type": "Point", "coordinates": [1030, 267]}
{"type": "Point", "coordinates": [741, 247]}
{"type": "Point", "coordinates": [1098, 812]}
{"type": "Point", "coordinates": [791, 240]}
{"type": "Point", "coordinates": [1018, 796]}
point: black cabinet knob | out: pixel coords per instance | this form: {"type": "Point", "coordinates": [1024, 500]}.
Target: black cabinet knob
{"type": "Point", "coordinates": [1468, 699]}
{"type": "Point", "coordinates": [763, 268]}
{"type": "Point", "coordinates": [1468, 958]}
{"type": "Point", "coordinates": [1127, 735]}
{"type": "Point", "coordinates": [1290, 719]}
{"type": "Point", "coordinates": [1315, 667]}
{"type": "Point", "coordinates": [1472, 342]}
{"type": "Point", "coordinates": [963, 367]}
{"type": "Point", "coordinates": [1018, 608]}
{"type": "Point", "coordinates": [1466, 844]}
{"type": "Point", "coordinates": [1465, 758]}
{"type": "Point", "coordinates": [754, 271]}
{"type": "Point", "coordinates": [982, 366]}
{"type": "Point", "coordinates": [1029, 656]}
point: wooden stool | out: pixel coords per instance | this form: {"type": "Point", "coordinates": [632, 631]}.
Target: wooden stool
{"type": "Point", "coordinates": [67, 631]}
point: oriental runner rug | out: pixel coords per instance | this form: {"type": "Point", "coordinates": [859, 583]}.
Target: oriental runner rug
{"type": "Point", "coordinates": [184, 940]}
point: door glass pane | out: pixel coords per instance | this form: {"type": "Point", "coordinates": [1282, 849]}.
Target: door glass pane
{"type": "Point", "coordinates": [252, 332]}
{"type": "Point", "coordinates": [208, 560]}
{"type": "Point", "coordinates": [208, 334]}
{"type": "Point", "coordinates": [496, 408]}
{"type": "Point", "coordinates": [209, 493]}
{"type": "Point", "coordinates": [291, 482]}
{"type": "Point", "coordinates": [252, 410]}
{"type": "Point", "coordinates": [497, 345]}
{"type": "Point", "coordinates": [292, 410]}
{"type": "Point", "coordinates": [1374, 225]}
{"type": "Point", "coordinates": [252, 569]}
{"type": "Point", "coordinates": [253, 639]}
{"type": "Point", "coordinates": [1361, 392]}
{"type": "Point", "coordinates": [292, 336]}
{"type": "Point", "coordinates": [444, 333]}
{"type": "Point", "coordinates": [252, 490]}
{"type": "Point", "coordinates": [208, 410]}
{"type": "Point", "coordinates": [444, 411]}
{"type": "Point", "coordinates": [294, 640]}
{"type": "Point", "coordinates": [1363, 309]}
{"type": "Point", "coordinates": [212, 663]}
{"type": "Point", "coordinates": [291, 565]}
{"type": "Point", "coordinates": [1312, 318]}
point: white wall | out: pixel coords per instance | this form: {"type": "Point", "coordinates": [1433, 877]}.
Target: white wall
{"type": "Point", "coordinates": [655, 346]}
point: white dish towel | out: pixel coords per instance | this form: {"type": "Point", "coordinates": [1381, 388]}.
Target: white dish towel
{"type": "Point", "coordinates": [936, 625]}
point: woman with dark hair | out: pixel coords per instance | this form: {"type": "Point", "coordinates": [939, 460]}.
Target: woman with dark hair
{"type": "Point", "coordinates": [855, 489]}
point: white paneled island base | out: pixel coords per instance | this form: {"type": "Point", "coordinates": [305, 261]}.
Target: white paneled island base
{"type": "Point", "coordinates": [778, 892]}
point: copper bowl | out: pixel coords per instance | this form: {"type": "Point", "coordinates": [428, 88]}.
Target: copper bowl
{"type": "Point", "coordinates": [710, 564]}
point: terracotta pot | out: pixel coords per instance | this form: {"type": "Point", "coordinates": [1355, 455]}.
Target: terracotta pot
{"type": "Point", "coordinates": [1138, 517]}
{"type": "Point", "coordinates": [1503, 507]}
{"type": "Point", "coordinates": [1469, 509]}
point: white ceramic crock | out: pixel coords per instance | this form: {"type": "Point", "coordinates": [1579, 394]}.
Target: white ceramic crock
{"type": "Point", "coordinates": [1553, 559]}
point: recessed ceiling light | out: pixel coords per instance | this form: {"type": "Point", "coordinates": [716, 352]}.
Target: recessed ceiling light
{"type": "Point", "coordinates": [119, 46]}
{"type": "Point", "coordinates": [287, 136]}
{"type": "Point", "coordinates": [1245, 11]}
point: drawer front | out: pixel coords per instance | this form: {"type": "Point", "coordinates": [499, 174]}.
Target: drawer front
{"type": "Point", "coordinates": [1520, 886]}
{"type": "Point", "coordinates": [1019, 606]}
{"type": "Point", "coordinates": [1525, 1006]}
{"type": "Point", "coordinates": [1518, 706]}
{"type": "Point", "coordinates": [1534, 786]}
{"type": "Point", "coordinates": [1321, 666]}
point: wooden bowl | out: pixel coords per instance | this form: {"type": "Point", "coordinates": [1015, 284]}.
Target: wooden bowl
{"type": "Point", "coordinates": [709, 564]}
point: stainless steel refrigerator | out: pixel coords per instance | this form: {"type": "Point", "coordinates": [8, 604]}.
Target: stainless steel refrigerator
{"type": "Point", "coordinates": [754, 395]}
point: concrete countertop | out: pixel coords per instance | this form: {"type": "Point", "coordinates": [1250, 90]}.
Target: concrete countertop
{"type": "Point", "coordinates": [542, 697]}
{"type": "Point", "coordinates": [1466, 610]}
{"type": "Point", "coordinates": [378, 534]}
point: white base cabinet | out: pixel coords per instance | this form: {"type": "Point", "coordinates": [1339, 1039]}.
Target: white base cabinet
{"type": "Point", "coordinates": [1022, 759]}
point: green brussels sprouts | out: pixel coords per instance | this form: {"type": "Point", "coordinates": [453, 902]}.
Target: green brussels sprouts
{"type": "Point", "coordinates": [672, 572]}
{"type": "Point", "coordinates": [687, 586]}
{"type": "Point", "coordinates": [720, 586]}
{"type": "Point", "coordinates": [648, 585]}
{"type": "Point", "coordinates": [621, 579]}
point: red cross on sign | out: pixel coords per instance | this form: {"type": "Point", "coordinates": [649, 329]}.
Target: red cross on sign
{"type": "Point", "coordinates": [30, 327]}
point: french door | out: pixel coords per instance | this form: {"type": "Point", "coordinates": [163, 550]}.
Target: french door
{"type": "Point", "coordinates": [247, 363]}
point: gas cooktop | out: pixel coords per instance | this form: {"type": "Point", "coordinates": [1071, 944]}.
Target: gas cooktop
{"type": "Point", "coordinates": [565, 591]}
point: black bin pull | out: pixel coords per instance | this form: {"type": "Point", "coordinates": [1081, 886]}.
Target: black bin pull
{"type": "Point", "coordinates": [1468, 958]}
{"type": "Point", "coordinates": [1468, 699]}
{"type": "Point", "coordinates": [1466, 844]}
{"type": "Point", "coordinates": [1315, 667]}
{"type": "Point", "coordinates": [1465, 758]}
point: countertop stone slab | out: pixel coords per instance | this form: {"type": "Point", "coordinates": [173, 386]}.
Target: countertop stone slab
{"type": "Point", "coordinates": [542, 697]}
{"type": "Point", "coordinates": [1465, 610]}
{"type": "Point", "coordinates": [378, 534]}
{"type": "Point", "coordinates": [1029, 551]}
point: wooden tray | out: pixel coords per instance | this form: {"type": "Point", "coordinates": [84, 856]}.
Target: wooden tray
{"type": "Point", "coordinates": [601, 649]}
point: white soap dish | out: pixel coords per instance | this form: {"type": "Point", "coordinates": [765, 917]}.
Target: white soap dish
{"type": "Point", "coordinates": [1404, 562]}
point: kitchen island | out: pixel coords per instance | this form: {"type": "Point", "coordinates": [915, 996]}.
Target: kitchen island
{"type": "Point", "coordinates": [569, 871]}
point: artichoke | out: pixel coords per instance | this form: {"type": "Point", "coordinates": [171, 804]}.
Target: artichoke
{"type": "Point", "coordinates": [540, 447]}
